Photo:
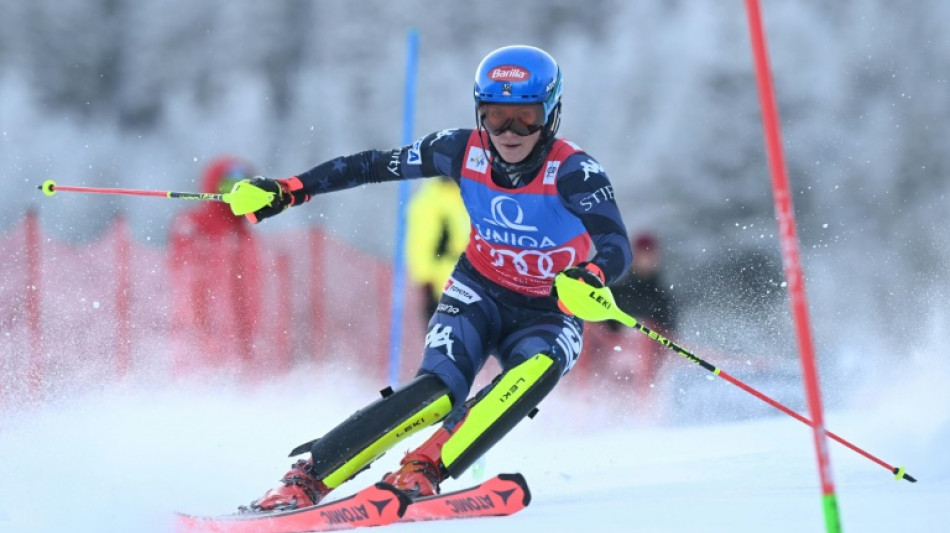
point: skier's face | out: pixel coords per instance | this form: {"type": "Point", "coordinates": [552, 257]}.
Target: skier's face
{"type": "Point", "coordinates": [514, 129]}
{"type": "Point", "coordinates": [514, 148]}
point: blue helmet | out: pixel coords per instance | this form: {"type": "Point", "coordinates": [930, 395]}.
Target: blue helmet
{"type": "Point", "coordinates": [520, 75]}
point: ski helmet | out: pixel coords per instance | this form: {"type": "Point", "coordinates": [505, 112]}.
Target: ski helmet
{"type": "Point", "coordinates": [521, 75]}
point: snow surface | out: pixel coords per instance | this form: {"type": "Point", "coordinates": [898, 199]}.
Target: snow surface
{"type": "Point", "coordinates": [126, 458]}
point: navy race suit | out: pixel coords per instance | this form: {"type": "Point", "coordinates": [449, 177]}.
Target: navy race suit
{"type": "Point", "coordinates": [497, 300]}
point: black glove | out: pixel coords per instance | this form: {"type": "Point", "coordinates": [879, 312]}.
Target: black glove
{"type": "Point", "coordinates": [587, 272]}
{"type": "Point", "coordinates": [287, 192]}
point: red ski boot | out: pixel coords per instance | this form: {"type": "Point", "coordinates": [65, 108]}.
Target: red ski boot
{"type": "Point", "coordinates": [299, 489]}
{"type": "Point", "coordinates": [421, 470]}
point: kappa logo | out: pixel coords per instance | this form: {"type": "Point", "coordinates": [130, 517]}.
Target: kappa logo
{"type": "Point", "coordinates": [461, 291]}
{"type": "Point", "coordinates": [414, 156]}
{"type": "Point", "coordinates": [441, 134]}
{"type": "Point", "coordinates": [441, 336]}
{"type": "Point", "coordinates": [477, 160]}
{"type": "Point", "coordinates": [591, 166]}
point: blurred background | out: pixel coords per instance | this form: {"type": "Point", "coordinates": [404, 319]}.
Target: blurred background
{"type": "Point", "coordinates": [117, 93]}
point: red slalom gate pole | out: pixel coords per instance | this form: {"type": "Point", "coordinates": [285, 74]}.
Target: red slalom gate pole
{"type": "Point", "coordinates": [791, 258]}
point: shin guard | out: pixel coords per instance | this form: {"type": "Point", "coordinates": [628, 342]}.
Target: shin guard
{"type": "Point", "coordinates": [366, 435]}
{"type": "Point", "coordinates": [497, 410]}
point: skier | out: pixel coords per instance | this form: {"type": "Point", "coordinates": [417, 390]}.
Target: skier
{"type": "Point", "coordinates": [536, 204]}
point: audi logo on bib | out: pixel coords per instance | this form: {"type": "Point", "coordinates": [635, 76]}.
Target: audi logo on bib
{"type": "Point", "coordinates": [536, 263]}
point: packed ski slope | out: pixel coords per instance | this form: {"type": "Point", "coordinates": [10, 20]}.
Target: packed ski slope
{"type": "Point", "coordinates": [124, 459]}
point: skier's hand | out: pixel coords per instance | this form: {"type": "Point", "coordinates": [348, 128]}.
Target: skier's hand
{"type": "Point", "coordinates": [587, 272]}
{"type": "Point", "coordinates": [287, 192]}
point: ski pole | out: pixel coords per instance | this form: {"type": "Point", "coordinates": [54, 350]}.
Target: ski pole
{"type": "Point", "coordinates": [597, 304]}
{"type": "Point", "coordinates": [244, 197]}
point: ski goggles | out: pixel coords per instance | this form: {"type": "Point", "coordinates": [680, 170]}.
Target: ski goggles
{"type": "Point", "coordinates": [521, 119]}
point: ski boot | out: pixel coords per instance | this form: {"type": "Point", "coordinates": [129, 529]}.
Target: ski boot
{"type": "Point", "coordinates": [298, 489]}
{"type": "Point", "coordinates": [421, 470]}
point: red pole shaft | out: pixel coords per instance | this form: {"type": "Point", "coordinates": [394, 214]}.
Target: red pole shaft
{"type": "Point", "coordinates": [133, 192]}
{"type": "Point", "coordinates": [899, 474]}
{"type": "Point", "coordinates": [800, 418]}
{"type": "Point", "coordinates": [791, 256]}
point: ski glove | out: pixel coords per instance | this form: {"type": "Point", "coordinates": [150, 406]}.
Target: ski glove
{"type": "Point", "coordinates": [287, 192]}
{"type": "Point", "coordinates": [587, 272]}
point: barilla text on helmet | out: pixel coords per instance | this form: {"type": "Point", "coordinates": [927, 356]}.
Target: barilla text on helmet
{"type": "Point", "coordinates": [509, 73]}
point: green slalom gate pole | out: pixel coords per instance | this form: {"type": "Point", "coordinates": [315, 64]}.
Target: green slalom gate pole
{"type": "Point", "coordinates": [597, 304]}
{"type": "Point", "coordinates": [244, 197]}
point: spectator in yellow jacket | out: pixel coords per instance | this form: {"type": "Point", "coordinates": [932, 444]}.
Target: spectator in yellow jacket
{"type": "Point", "coordinates": [437, 233]}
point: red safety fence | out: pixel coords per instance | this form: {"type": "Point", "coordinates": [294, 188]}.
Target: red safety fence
{"type": "Point", "coordinates": [75, 317]}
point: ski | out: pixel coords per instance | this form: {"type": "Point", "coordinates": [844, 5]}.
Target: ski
{"type": "Point", "coordinates": [502, 495]}
{"type": "Point", "coordinates": [377, 505]}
